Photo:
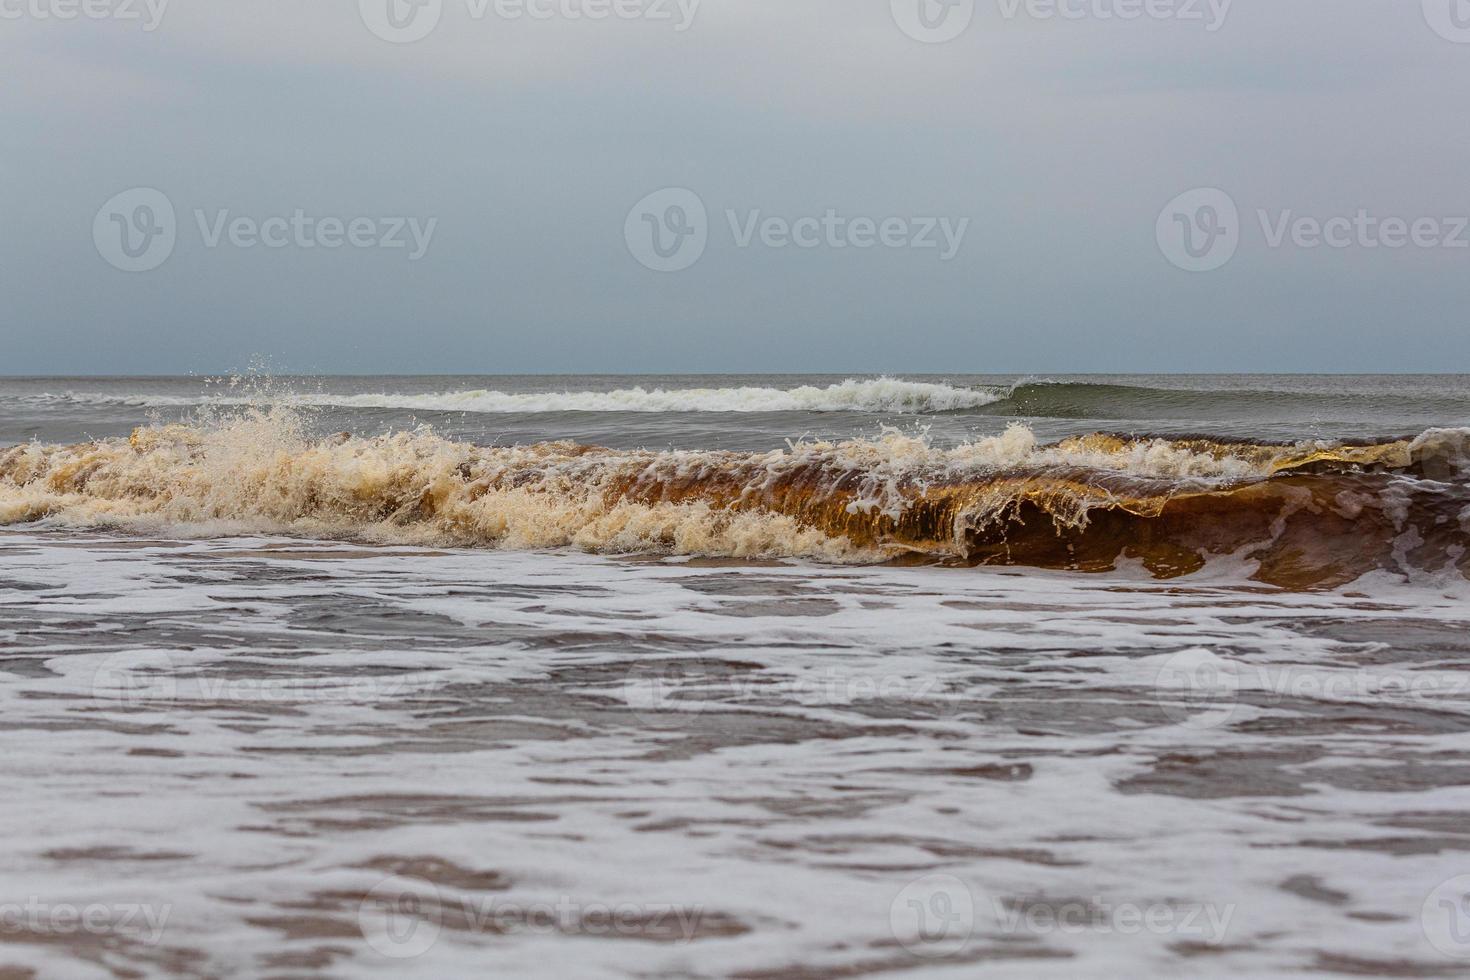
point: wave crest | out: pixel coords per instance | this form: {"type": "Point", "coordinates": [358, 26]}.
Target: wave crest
{"type": "Point", "coordinates": [1308, 514]}
{"type": "Point", "coordinates": [876, 396]}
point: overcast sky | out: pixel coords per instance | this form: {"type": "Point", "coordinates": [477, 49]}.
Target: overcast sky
{"type": "Point", "coordinates": [1038, 154]}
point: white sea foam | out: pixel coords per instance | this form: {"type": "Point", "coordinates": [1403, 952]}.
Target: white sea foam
{"type": "Point", "coordinates": [878, 396]}
{"type": "Point", "coordinates": [861, 730]}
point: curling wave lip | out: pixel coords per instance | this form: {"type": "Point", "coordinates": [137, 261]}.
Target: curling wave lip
{"type": "Point", "coordinates": [1307, 515]}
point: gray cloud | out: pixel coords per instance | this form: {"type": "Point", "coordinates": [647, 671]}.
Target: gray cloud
{"type": "Point", "coordinates": [530, 140]}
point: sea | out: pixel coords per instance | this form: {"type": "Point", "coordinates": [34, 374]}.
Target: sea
{"type": "Point", "coordinates": [754, 677]}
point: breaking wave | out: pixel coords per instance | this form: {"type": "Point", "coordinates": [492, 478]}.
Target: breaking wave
{"type": "Point", "coordinates": [1307, 515]}
{"type": "Point", "coordinates": [1039, 399]}
{"type": "Point", "coordinates": [878, 396]}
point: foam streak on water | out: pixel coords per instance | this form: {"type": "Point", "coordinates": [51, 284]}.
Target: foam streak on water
{"type": "Point", "coordinates": [253, 736]}
{"type": "Point", "coordinates": [759, 412]}
{"type": "Point", "coordinates": [878, 395]}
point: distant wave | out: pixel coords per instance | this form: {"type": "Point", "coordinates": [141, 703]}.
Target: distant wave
{"type": "Point", "coordinates": [879, 396]}
{"type": "Point", "coordinates": [1094, 400]}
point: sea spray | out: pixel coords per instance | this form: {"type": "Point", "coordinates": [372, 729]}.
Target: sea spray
{"type": "Point", "coordinates": [1315, 512]}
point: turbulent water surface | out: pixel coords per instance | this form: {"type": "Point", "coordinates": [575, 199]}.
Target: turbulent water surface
{"type": "Point", "coordinates": [736, 677]}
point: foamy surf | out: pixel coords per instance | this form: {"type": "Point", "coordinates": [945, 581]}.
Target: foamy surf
{"type": "Point", "coordinates": [1308, 514]}
{"type": "Point", "coordinates": [500, 760]}
{"type": "Point", "coordinates": [877, 396]}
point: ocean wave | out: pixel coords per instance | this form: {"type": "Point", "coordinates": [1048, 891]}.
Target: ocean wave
{"type": "Point", "coordinates": [1308, 514]}
{"type": "Point", "coordinates": [876, 396]}
{"type": "Point", "coordinates": [1030, 398]}
{"type": "Point", "coordinates": [1111, 401]}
